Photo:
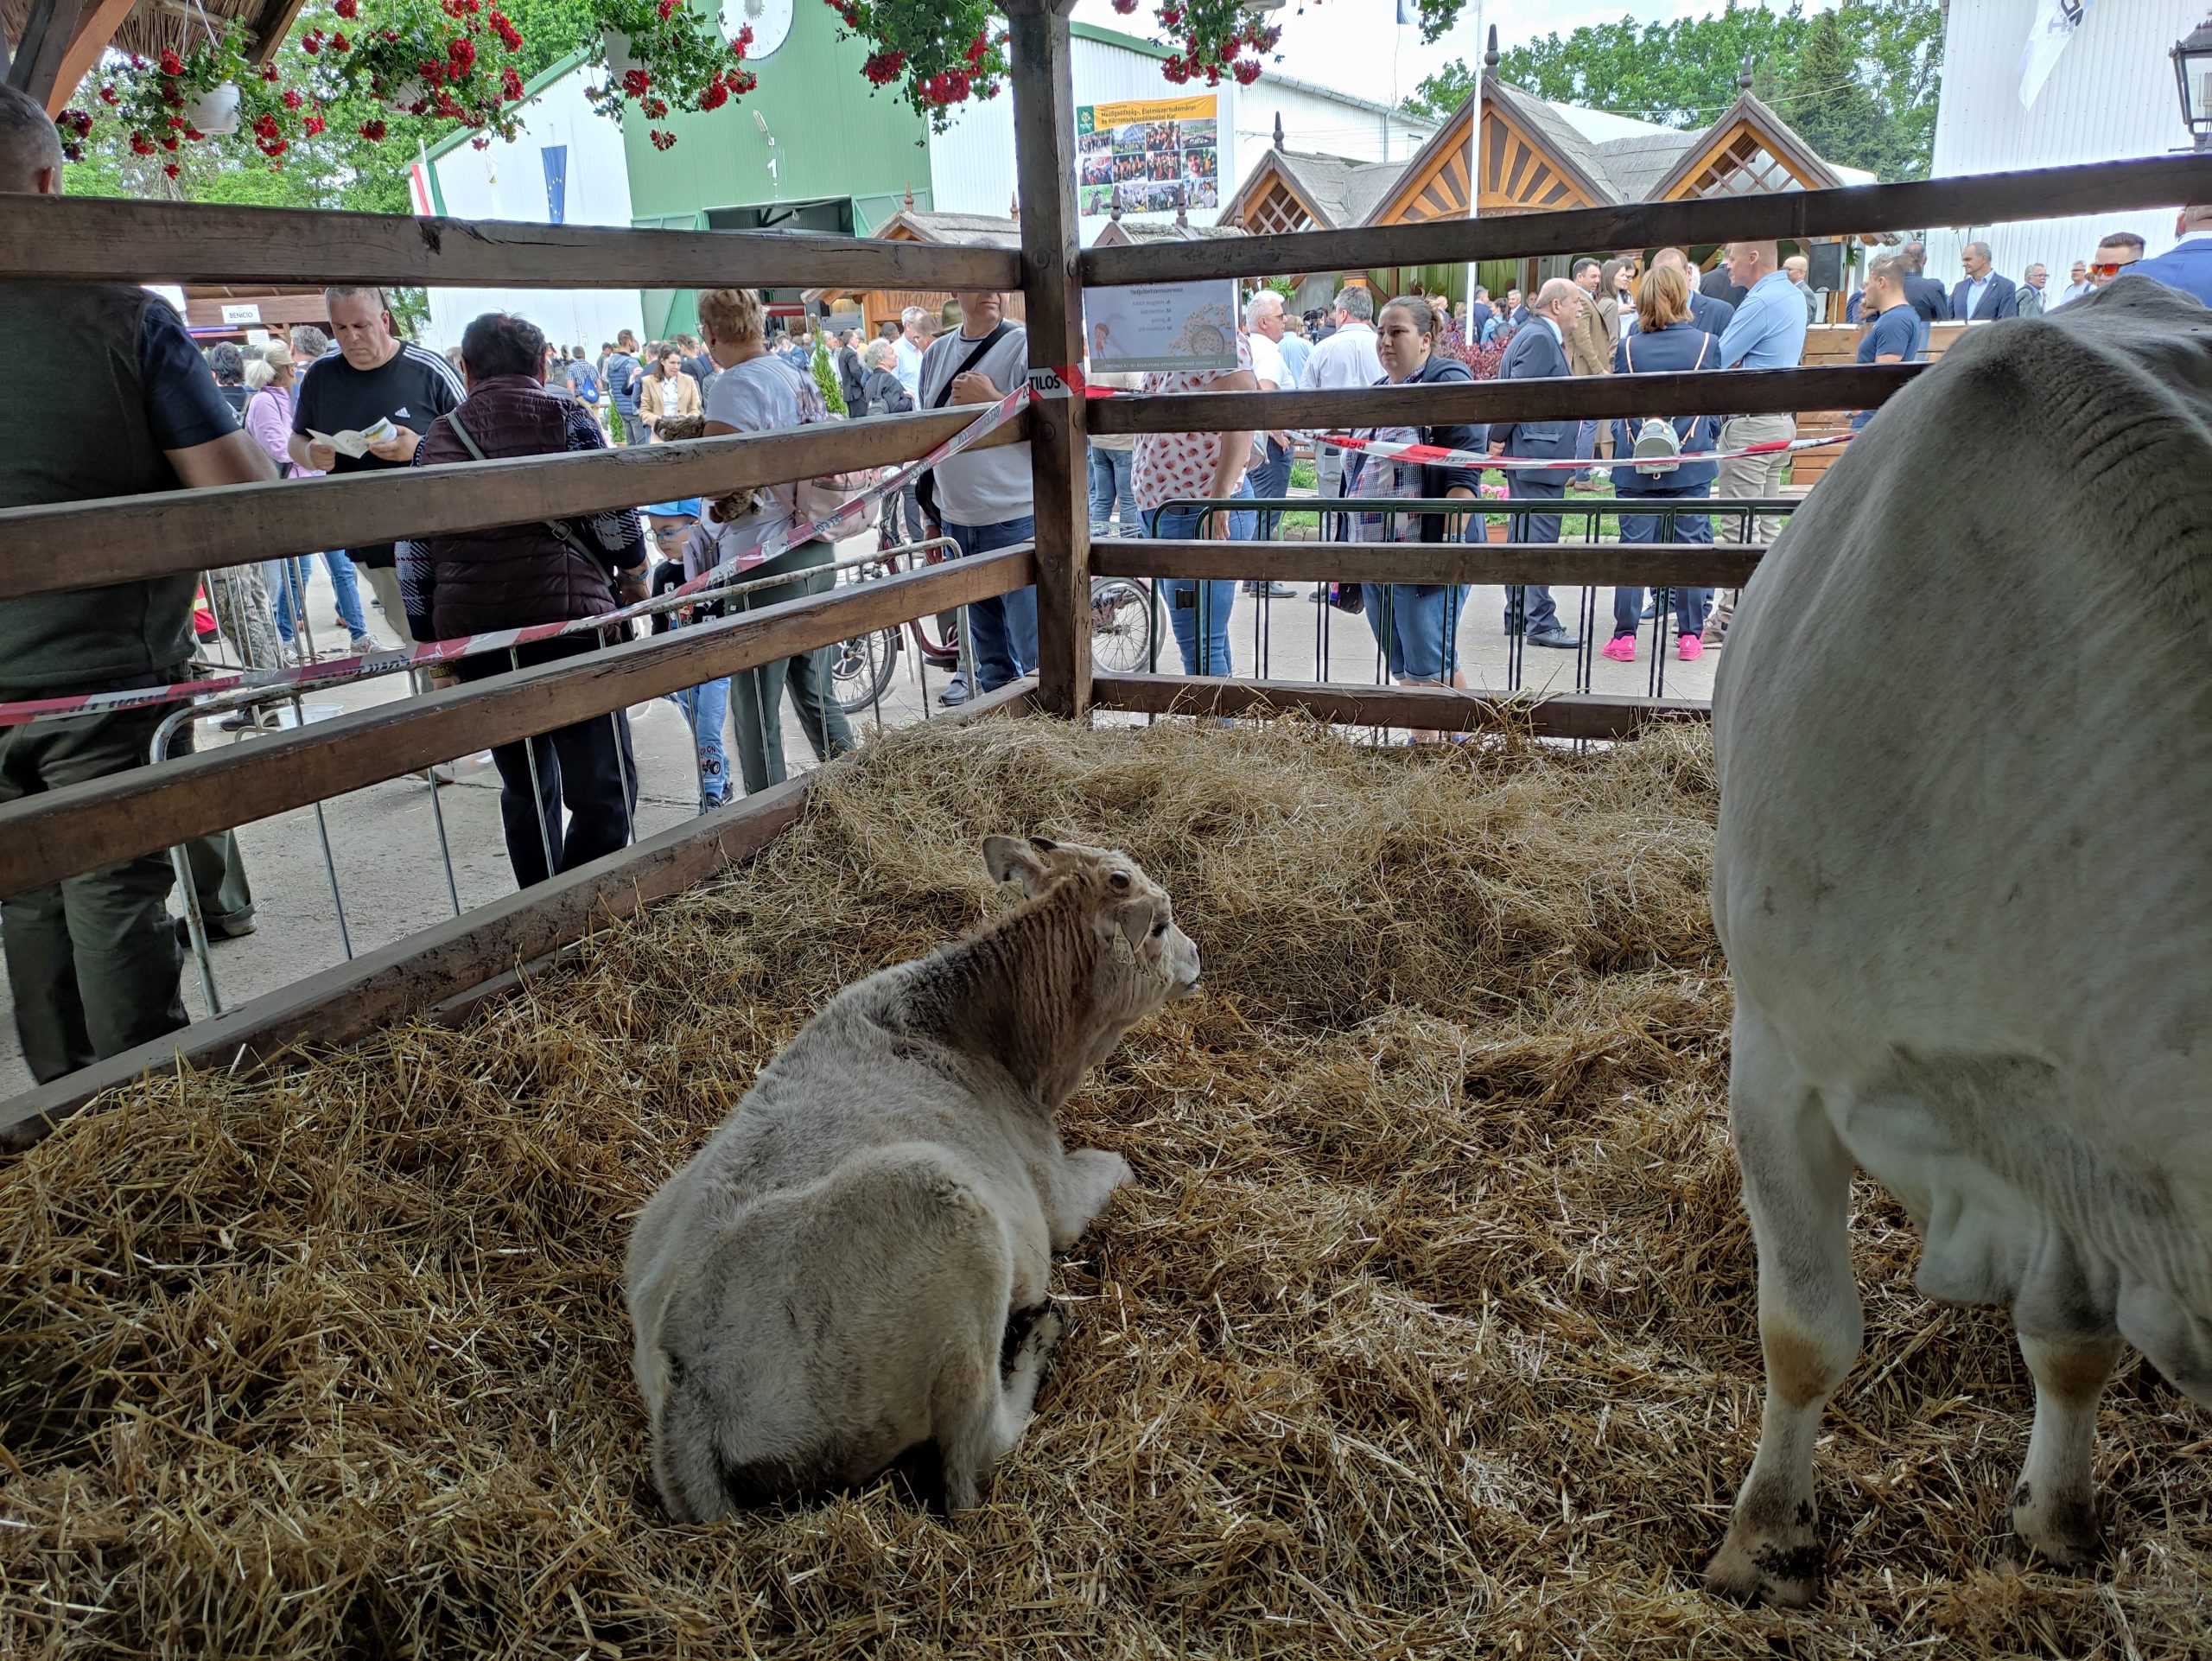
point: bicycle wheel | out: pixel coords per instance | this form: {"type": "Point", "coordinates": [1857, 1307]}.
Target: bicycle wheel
{"type": "Point", "coordinates": [861, 668]}
{"type": "Point", "coordinates": [1121, 625]}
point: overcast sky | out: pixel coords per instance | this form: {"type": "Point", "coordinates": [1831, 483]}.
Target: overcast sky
{"type": "Point", "coordinates": [1355, 45]}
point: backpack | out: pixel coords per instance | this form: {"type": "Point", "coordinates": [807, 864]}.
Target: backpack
{"type": "Point", "coordinates": [1657, 443]}
{"type": "Point", "coordinates": [583, 381]}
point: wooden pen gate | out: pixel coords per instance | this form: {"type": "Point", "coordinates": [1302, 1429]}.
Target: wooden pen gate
{"type": "Point", "coordinates": [43, 549]}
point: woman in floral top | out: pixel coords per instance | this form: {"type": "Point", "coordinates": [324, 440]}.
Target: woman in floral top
{"type": "Point", "coordinates": [1197, 467]}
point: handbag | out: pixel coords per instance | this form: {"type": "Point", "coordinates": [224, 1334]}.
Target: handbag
{"type": "Point", "coordinates": [1657, 444]}
{"type": "Point", "coordinates": [925, 485]}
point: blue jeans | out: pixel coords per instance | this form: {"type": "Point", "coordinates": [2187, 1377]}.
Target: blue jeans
{"type": "Point", "coordinates": [1112, 481]}
{"type": "Point", "coordinates": [1271, 478]}
{"type": "Point", "coordinates": [1005, 626]}
{"type": "Point", "coordinates": [1192, 603]}
{"type": "Point", "coordinates": [345, 589]}
{"type": "Point", "coordinates": [706, 707]}
{"type": "Point", "coordinates": [1690, 604]}
{"type": "Point", "coordinates": [1423, 626]}
{"type": "Point", "coordinates": [287, 583]}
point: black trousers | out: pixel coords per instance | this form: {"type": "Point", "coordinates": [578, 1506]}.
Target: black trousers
{"type": "Point", "coordinates": [1531, 607]}
{"type": "Point", "coordinates": [587, 768]}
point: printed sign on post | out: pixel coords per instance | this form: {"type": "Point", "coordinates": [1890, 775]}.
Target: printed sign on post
{"type": "Point", "coordinates": [236, 315]}
{"type": "Point", "coordinates": [1153, 156]}
{"type": "Point", "coordinates": [1170, 325]}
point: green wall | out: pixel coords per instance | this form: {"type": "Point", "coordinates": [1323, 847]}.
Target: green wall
{"type": "Point", "coordinates": [836, 135]}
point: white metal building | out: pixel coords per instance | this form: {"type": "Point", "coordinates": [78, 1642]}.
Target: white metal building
{"type": "Point", "coordinates": [561, 154]}
{"type": "Point", "coordinates": [971, 163]}
{"type": "Point", "coordinates": [2110, 97]}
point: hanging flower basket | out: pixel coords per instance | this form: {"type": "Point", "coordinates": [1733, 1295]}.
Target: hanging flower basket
{"type": "Point", "coordinates": [937, 56]}
{"type": "Point", "coordinates": [664, 57]}
{"type": "Point", "coordinates": [208, 94]}
{"type": "Point", "coordinates": [452, 59]}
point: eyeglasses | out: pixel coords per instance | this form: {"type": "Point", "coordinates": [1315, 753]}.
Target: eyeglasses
{"type": "Point", "coordinates": [2110, 268]}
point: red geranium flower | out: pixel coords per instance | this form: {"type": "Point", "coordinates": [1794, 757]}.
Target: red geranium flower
{"type": "Point", "coordinates": [373, 131]}
{"type": "Point", "coordinates": [715, 95]}
{"type": "Point", "coordinates": [171, 64]}
{"type": "Point", "coordinates": [141, 145]}
{"type": "Point", "coordinates": [1247, 72]}
{"type": "Point", "coordinates": [349, 9]}
{"type": "Point", "coordinates": [311, 43]}
{"type": "Point", "coordinates": [312, 126]}
{"type": "Point", "coordinates": [340, 43]}
{"type": "Point", "coordinates": [171, 169]}
{"type": "Point", "coordinates": [195, 134]}
{"type": "Point", "coordinates": [509, 37]}
{"type": "Point", "coordinates": [634, 82]}
{"type": "Point", "coordinates": [511, 85]}
{"type": "Point", "coordinates": [461, 51]}
{"type": "Point", "coordinates": [107, 94]}
{"type": "Point", "coordinates": [883, 68]}
{"type": "Point", "coordinates": [292, 99]}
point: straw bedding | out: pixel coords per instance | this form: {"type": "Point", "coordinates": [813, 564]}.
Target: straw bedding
{"type": "Point", "coordinates": [1427, 1329]}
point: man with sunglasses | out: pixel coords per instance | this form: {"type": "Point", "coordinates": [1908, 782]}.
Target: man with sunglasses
{"type": "Point", "coordinates": [2115, 253]}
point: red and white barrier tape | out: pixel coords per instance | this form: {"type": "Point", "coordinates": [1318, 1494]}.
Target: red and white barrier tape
{"type": "Point", "coordinates": [337, 671]}
{"type": "Point", "coordinates": [1436, 455]}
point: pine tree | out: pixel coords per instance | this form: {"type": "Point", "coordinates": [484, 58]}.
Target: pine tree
{"type": "Point", "coordinates": [825, 375]}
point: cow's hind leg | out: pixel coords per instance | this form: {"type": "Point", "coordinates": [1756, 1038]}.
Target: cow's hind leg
{"type": "Point", "coordinates": [980, 1416]}
{"type": "Point", "coordinates": [1797, 1189]}
{"type": "Point", "coordinates": [2054, 1507]}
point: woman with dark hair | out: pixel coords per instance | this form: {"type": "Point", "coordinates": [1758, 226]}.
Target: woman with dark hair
{"type": "Point", "coordinates": [668, 392]}
{"type": "Point", "coordinates": [539, 571]}
{"type": "Point", "coordinates": [1653, 455]}
{"type": "Point", "coordinates": [1416, 624]}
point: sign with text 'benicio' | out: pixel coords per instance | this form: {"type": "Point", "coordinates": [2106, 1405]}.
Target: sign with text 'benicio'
{"type": "Point", "coordinates": [1148, 155]}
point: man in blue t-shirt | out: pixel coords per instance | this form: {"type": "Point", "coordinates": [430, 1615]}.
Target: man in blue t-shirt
{"type": "Point", "coordinates": [1895, 332]}
{"type": "Point", "coordinates": [623, 375]}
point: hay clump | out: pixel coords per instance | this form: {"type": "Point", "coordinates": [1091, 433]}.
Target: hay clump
{"type": "Point", "coordinates": [1427, 1329]}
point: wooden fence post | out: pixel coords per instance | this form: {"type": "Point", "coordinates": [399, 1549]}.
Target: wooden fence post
{"type": "Point", "coordinates": [1052, 288]}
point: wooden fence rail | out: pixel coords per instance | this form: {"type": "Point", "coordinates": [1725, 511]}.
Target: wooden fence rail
{"type": "Point", "coordinates": [83, 827]}
{"type": "Point", "coordinates": [1982, 198]}
{"type": "Point", "coordinates": [89, 239]}
{"type": "Point", "coordinates": [126, 539]}
{"type": "Point", "coordinates": [1738, 391]}
{"type": "Point", "coordinates": [1442, 709]}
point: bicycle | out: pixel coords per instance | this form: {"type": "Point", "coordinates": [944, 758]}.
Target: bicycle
{"type": "Point", "coordinates": [1123, 625]}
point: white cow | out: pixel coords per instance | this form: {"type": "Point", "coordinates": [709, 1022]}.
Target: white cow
{"type": "Point", "coordinates": [830, 1281]}
{"type": "Point", "coordinates": [1964, 879]}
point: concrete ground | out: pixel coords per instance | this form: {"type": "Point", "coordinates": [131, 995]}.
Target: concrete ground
{"type": "Point", "coordinates": [391, 876]}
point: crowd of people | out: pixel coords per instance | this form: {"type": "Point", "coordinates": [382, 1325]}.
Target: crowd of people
{"type": "Point", "coordinates": [94, 960]}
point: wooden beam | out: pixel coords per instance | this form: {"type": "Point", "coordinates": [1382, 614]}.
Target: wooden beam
{"type": "Point", "coordinates": [1738, 391]}
{"type": "Point", "coordinates": [270, 27]}
{"type": "Point", "coordinates": [1983, 199]}
{"type": "Point", "coordinates": [435, 966]}
{"type": "Point", "coordinates": [104, 821]}
{"type": "Point", "coordinates": [87, 239]}
{"type": "Point", "coordinates": [96, 24]}
{"type": "Point", "coordinates": [126, 539]}
{"type": "Point", "coordinates": [1441, 709]}
{"type": "Point", "coordinates": [1044, 120]}
{"type": "Point", "coordinates": [1668, 564]}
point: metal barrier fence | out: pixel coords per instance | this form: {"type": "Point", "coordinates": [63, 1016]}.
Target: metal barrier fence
{"type": "Point", "coordinates": [1422, 622]}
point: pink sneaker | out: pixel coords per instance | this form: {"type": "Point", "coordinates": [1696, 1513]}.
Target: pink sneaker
{"type": "Point", "coordinates": [1692, 648]}
{"type": "Point", "coordinates": [1621, 648]}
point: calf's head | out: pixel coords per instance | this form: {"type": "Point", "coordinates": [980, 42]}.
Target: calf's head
{"type": "Point", "coordinates": [1129, 915]}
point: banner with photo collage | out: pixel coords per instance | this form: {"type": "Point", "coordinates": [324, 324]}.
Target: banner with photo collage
{"type": "Point", "coordinates": [1153, 156]}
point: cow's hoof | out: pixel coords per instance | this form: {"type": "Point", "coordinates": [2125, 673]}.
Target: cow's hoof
{"type": "Point", "coordinates": [1756, 1567]}
{"type": "Point", "coordinates": [2062, 1527]}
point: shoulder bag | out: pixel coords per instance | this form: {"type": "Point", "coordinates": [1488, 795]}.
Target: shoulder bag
{"type": "Point", "coordinates": [925, 485]}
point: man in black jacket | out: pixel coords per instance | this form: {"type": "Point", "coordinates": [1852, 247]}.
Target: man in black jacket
{"type": "Point", "coordinates": [1539, 352]}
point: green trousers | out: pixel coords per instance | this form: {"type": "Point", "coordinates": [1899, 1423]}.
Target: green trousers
{"type": "Point", "coordinates": [92, 960]}
{"type": "Point", "coordinates": [218, 867]}
{"type": "Point", "coordinates": [756, 696]}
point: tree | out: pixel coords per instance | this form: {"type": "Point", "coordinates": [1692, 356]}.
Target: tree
{"type": "Point", "coordinates": [1859, 83]}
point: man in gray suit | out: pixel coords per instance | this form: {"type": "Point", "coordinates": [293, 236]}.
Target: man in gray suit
{"type": "Point", "coordinates": [1539, 352]}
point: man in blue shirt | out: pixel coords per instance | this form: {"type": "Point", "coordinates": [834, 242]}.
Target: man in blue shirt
{"type": "Point", "coordinates": [1895, 332]}
{"type": "Point", "coordinates": [1984, 296]}
{"type": "Point", "coordinates": [2188, 264]}
{"type": "Point", "coordinates": [1767, 332]}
